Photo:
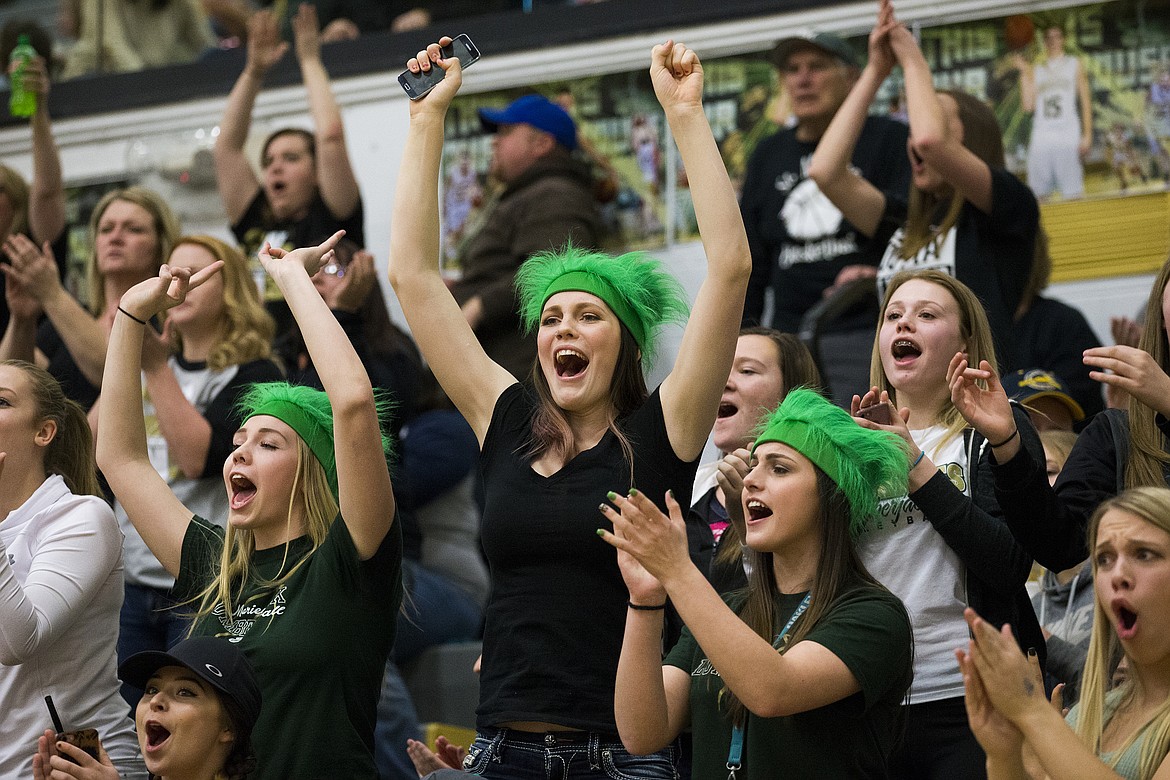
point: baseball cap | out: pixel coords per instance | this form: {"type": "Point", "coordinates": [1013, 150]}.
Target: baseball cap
{"type": "Point", "coordinates": [825, 42]}
{"type": "Point", "coordinates": [217, 662]}
{"type": "Point", "coordinates": [1029, 384]}
{"type": "Point", "coordinates": [535, 110]}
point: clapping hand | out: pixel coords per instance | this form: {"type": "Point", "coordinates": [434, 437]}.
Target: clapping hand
{"type": "Point", "coordinates": [654, 544]}
{"type": "Point", "coordinates": [33, 269]}
{"type": "Point", "coordinates": [987, 408]}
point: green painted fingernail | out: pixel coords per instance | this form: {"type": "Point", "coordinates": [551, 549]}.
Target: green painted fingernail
{"type": "Point", "coordinates": [612, 496]}
{"type": "Point", "coordinates": [633, 492]}
{"type": "Point", "coordinates": [601, 532]}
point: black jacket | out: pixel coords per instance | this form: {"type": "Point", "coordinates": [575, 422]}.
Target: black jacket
{"type": "Point", "coordinates": [997, 565]}
{"type": "Point", "coordinates": [1052, 523]}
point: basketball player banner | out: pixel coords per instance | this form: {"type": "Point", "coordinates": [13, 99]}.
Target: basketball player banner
{"type": "Point", "coordinates": [1097, 121]}
{"type": "Point", "coordinates": [1098, 117]}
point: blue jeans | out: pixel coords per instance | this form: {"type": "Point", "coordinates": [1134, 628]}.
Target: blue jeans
{"type": "Point", "coordinates": [149, 621]}
{"type": "Point", "coordinates": [397, 722]}
{"type": "Point", "coordinates": [504, 754]}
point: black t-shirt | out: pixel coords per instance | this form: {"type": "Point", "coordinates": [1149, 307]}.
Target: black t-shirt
{"type": "Point", "coordinates": [990, 253]}
{"type": "Point", "coordinates": [1054, 336]}
{"type": "Point", "coordinates": [557, 612]}
{"type": "Point", "coordinates": [799, 239]}
{"type": "Point", "coordinates": [259, 225]}
{"type": "Point", "coordinates": [64, 368]}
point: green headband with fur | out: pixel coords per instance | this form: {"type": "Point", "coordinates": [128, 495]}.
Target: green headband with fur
{"type": "Point", "coordinates": [307, 411]}
{"type": "Point", "coordinates": [866, 465]}
{"type": "Point", "coordinates": [635, 286]}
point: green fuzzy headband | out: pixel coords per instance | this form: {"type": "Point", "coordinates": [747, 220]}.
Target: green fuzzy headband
{"type": "Point", "coordinates": [866, 465]}
{"type": "Point", "coordinates": [307, 411]}
{"type": "Point", "coordinates": [635, 286]}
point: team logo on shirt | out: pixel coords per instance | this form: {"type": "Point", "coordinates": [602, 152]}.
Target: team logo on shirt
{"type": "Point", "coordinates": [704, 669]}
{"type": "Point", "coordinates": [894, 514]}
{"type": "Point", "coordinates": [247, 614]}
{"type": "Point", "coordinates": [808, 214]}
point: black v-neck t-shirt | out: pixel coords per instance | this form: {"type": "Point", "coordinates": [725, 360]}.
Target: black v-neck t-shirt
{"type": "Point", "coordinates": [557, 611]}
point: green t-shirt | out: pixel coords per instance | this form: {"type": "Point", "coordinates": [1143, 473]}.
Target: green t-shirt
{"type": "Point", "coordinates": [319, 644]}
{"type": "Point", "coordinates": [869, 631]}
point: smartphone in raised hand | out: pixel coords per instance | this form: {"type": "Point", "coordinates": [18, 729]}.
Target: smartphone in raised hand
{"type": "Point", "coordinates": [418, 84]}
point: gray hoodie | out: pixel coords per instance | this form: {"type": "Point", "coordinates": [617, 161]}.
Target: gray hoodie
{"type": "Point", "coordinates": [1067, 612]}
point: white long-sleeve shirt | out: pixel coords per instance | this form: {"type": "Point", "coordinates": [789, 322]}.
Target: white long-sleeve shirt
{"type": "Point", "coordinates": [60, 595]}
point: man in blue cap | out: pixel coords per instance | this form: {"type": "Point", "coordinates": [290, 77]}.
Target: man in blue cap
{"type": "Point", "coordinates": [545, 202]}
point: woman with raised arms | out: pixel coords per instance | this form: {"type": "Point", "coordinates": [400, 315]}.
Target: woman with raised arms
{"type": "Point", "coordinates": [306, 577]}
{"type": "Point", "coordinates": [580, 425]}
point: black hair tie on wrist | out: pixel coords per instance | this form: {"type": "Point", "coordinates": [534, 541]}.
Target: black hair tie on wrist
{"type": "Point", "coordinates": [1015, 433]}
{"type": "Point", "coordinates": [131, 316]}
{"type": "Point", "coordinates": [646, 607]}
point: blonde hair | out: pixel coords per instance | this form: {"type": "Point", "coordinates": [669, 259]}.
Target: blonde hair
{"type": "Point", "coordinates": [1147, 454]}
{"type": "Point", "coordinates": [1151, 504]}
{"type": "Point", "coordinates": [166, 232]}
{"type": "Point", "coordinates": [15, 187]}
{"type": "Point", "coordinates": [973, 329]}
{"type": "Point", "coordinates": [246, 329]}
{"type": "Point", "coordinates": [1058, 444]}
{"type": "Point", "coordinates": [313, 497]}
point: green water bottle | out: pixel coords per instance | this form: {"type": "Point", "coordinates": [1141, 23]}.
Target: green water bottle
{"type": "Point", "coordinates": [22, 102]}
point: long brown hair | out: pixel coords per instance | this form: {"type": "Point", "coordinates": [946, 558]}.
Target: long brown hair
{"type": "Point", "coordinates": [983, 137]}
{"type": "Point", "coordinates": [70, 453]}
{"type": "Point", "coordinates": [1147, 454]}
{"type": "Point", "coordinates": [838, 569]}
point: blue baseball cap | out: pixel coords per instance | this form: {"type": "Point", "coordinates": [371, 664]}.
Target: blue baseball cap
{"type": "Point", "coordinates": [535, 110]}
